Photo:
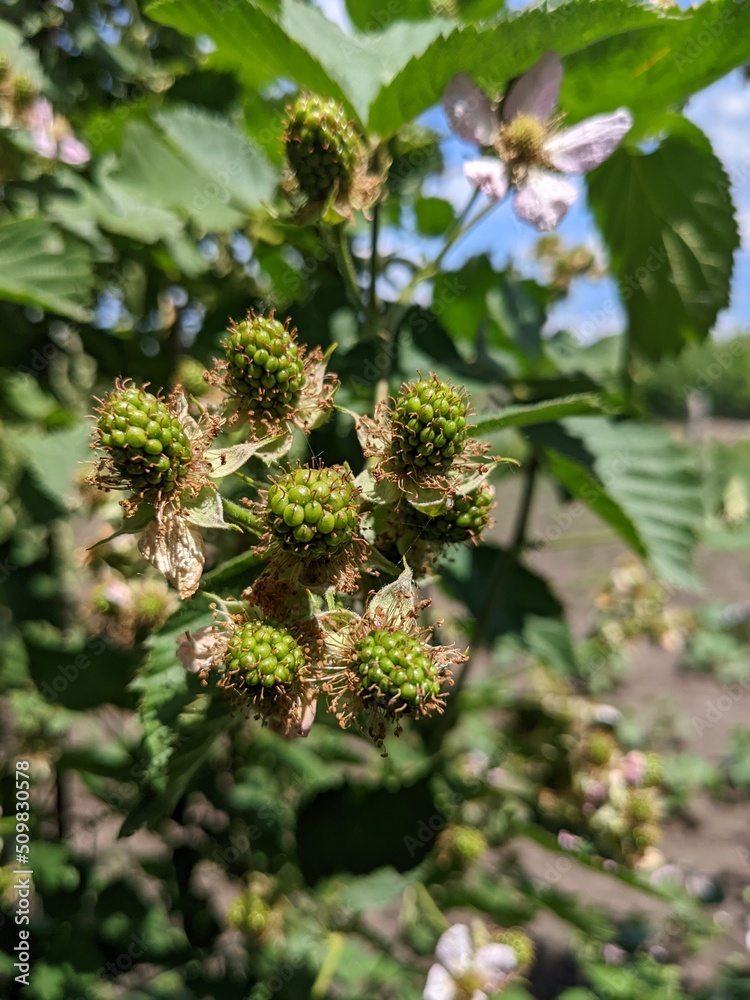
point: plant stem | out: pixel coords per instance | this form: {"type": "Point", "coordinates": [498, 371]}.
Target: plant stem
{"type": "Point", "coordinates": [372, 301]}
{"type": "Point", "coordinates": [242, 517]}
{"type": "Point", "coordinates": [346, 267]}
{"type": "Point", "coordinates": [248, 480]}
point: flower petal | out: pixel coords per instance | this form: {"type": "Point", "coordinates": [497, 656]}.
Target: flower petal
{"type": "Point", "coordinates": [543, 199]}
{"type": "Point", "coordinates": [176, 549]}
{"type": "Point", "coordinates": [454, 949]}
{"type": "Point", "coordinates": [579, 149]}
{"type": "Point", "coordinates": [201, 650]}
{"type": "Point", "coordinates": [73, 152]}
{"type": "Point", "coordinates": [297, 722]}
{"type": "Point", "coordinates": [493, 962]}
{"type": "Point", "coordinates": [536, 92]}
{"type": "Point", "coordinates": [439, 985]}
{"type": "Point", "coordinates": [490, 175]}
{"type": "Point", "coordinates": [470, 113]}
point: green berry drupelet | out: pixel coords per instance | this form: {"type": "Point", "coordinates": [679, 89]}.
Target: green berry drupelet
{"type": "Point", "coordinates": [264, 654]}
{"type": "Point", "coordinates": [467, 519]}
{"type": "Point", "coordinates": [322, 147]}
{"type": "Point", "coordinates": [265, 365]}
{"type": "Point", "coordinates": [313, 512]}
{"type": "Point", "coordinates": [146, 442]}
{"type": "Point", "coordinates": [396, 665]}
{"type": "Point", "coordinates": [429, 424]}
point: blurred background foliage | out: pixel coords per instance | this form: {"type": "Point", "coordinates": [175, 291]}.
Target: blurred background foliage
{"type": "Point", "coordinates": [180, 852]}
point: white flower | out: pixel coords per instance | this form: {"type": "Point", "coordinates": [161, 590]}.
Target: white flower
{"type": "Point", "coordinates": [463, 971]}
{"type": "Point", "coordinates": [529, 153]}
{"type": "Point", "coordinates": [52, 136]}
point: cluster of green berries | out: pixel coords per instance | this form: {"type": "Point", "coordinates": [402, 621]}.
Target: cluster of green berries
{"type": "Point", "coordinates": [266, 368]}
{"type": "Point", "coordinates": [429, 423]}
{"type": "Point", "coordinates": [396, 664]}
{"type": "Point", "coordinates": [322, 146]}
{"type": "Point", "coordinates": [146, 442]}
{"type": "Point", "coordinates": [265, 654]}
{"type": "Point", "coordinates": [466, 519]}
{"type": "Point", "coordinates": [521, 944]}
{"type": "Point", "coordinates": [313, 512]}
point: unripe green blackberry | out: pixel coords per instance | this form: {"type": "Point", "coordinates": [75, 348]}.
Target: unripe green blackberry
{"type": "Point", "coordinates": [24, 92]}
{"type": "Point", "coordinates": [599, 747]}
{"type": "Point", "coordinates": [265, 654]}
{"type": "Point", "coordinates": [146, 441]}
{"type": "Point", "coordinates": [396, 665]}
{"type": "Point", "coordinates": [429, 423]}
{"type": "Point", "coordinates": [641, 806]}
{"type": "Point", "coordinates": [469, 843]}
{"type": "Point", "coordinates": [265, 366]}
{"type": "Point", "coordinates": [521, 944]}
{"type": "Point", "coordinates": [313, 512]}
{"type": "Point", "coordinates": [467, 518]}
{"type": "Point", "coordinates": [654, 770]}
{"type": "Point", "coordinates": [249, 914]}
{"type": "Point", "coordinates": [322, 146]}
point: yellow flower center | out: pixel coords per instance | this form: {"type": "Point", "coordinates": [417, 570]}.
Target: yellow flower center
{"type": "Point", "coordinates": [523, 139]}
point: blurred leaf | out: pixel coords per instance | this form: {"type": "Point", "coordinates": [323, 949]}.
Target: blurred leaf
{"type": "Point", "coordinates": [658, 64]}
{"type": "Point", "coordinates": [384, 828]}
{"type": "Point", "coordinates": [377, 889]}
{"type": "Point", "coordinates": [434, 215]}
{"type": "Point", "coordinates": [516, 592]}
{"type": "Point", "coordinates": [537, 413]}
{"type": "Point", "coordinates": [150, 170]}
{"type": "Point", "coordinates": [494, 55]}
{"type": "Point", "coordinates": [220, 152]}
{"type": "Point", "coordinates": [298, 42]}
{"type": "Point", "coordinates": [55, 461]}
{"type": "Point", "coordinates": [40, 267]}
{"type": "Point", "coordinates": [636, 479]}
{"type": "Point", "coordinates": [22, 59]}
{"type": "Point", "coordinates": [180, 720]}
{"type": "Point", "coordinates": [668, 220]}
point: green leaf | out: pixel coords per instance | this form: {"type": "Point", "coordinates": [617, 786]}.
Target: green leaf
{"type": "Point", "coordinates": [659, 64]}
{"type": "Point", "coordinates": [81, 207]}
{"type": "Point", "coordinates": [669, 224]}
{"type": "Point", "coordinates": [180, 720]}
{"type": "Point", "coordinates": [40, 267]}
{"type": "Point", "coordinates": [494, 55]}
{"type": "Point", "coordinates": [377, 889]}
{"type": "Point", "coordinates": [636, 479]}
{"type": "Point", "coordinates": [153, 172]}
{"type": "Point", "coordinates": [517, 594]}
{"type": "Point", "coordinates": [221, 152]}
{"type": "Point", "coordinates": [434, 215]}
{"type": "Point", "coordinates": [55, 461]}
{"type": "Point", "coordinates": [298, 42]}
{"type": "Point", "coordinates": [538, 413]}
{"type": "Point", "coordinates": [22, 59]}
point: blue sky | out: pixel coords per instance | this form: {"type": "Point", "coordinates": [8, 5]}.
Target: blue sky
{"type": "Point", "coordinates": [592, 309]}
